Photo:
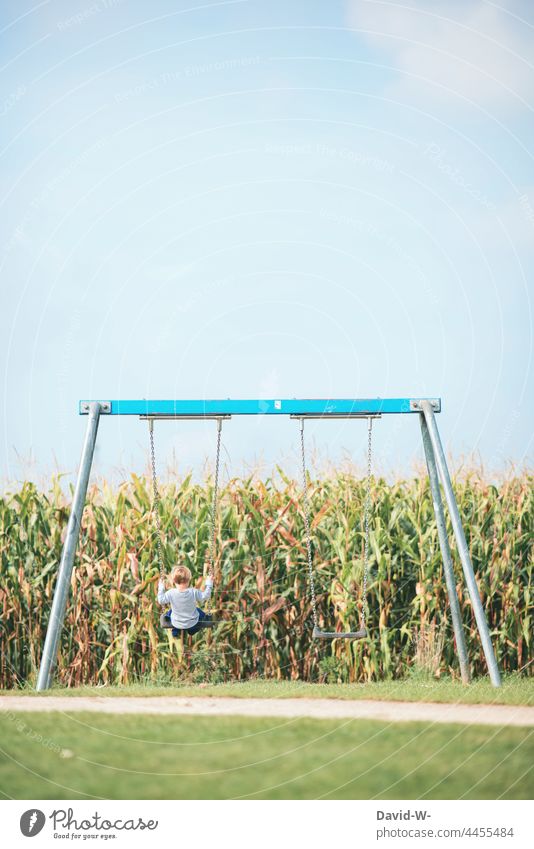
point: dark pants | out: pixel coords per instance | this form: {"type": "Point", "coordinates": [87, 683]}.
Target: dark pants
{"type": "Point", "coordinates": [202, 617]}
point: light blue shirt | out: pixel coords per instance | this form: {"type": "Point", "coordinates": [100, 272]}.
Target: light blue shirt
{"type": "Point", "coordinates": [184, 613]}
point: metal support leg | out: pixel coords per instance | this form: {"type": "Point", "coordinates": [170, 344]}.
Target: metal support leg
{"type": "Point", "coordinates": [448, 567]}
{"type": "Point", "coordinates": [463, 549]}
{"type": "Point", "coordinates": [57, 613]}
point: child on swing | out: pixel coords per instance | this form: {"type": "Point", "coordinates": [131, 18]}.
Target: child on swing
{"type": "Point", "coordinates": [183, 614]}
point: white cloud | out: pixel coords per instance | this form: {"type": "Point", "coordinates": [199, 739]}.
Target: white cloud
{"type": "Point", "coordinates": [471, 48]}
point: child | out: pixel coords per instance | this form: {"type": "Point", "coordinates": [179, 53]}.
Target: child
{"type": "Point", "coordinates": [184, 614]}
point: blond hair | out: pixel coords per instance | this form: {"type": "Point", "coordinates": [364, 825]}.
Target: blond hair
{"type": "Point", "coordinates": [181, 575]}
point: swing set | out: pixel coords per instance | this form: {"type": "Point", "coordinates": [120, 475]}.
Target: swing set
{"type": "Point", "coordinates": [221, 410]}
{"type": "Point", "coordinates": [164, 620]}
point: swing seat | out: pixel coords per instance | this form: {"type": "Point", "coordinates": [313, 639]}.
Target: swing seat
{"type": "Point", "coordinates": [166, 623]}
{"type": "Point", "coordinates": [339, 635]}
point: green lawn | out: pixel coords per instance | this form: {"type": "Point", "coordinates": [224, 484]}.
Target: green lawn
{"type": "Point", "coordinates": [45, 756]}
{"type": "Point", "coordinates": [515, 691]}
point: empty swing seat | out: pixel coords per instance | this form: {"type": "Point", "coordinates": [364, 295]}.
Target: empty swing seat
{"type": "Point", "coordinates": [339, 635]}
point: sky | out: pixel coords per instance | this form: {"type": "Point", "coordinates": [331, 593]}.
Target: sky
{"type": "Point", "coordinates": [248, 199]}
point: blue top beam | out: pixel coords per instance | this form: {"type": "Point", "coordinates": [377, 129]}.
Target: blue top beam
{"type": "Point", "coordinates": [265, 407]}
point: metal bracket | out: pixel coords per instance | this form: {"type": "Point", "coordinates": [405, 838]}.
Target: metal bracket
{"type": "Point", "coordinates": [415, 404]}
{"type": "Point", "coordinates": [85, 406]}
{"type": "Point", "coordinates": [164, 417]}
{"type": "Point", "coordinates": [326, 416]}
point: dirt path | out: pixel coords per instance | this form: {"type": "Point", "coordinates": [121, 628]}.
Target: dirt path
{"type": "Point", "coordinates": [289, 708]}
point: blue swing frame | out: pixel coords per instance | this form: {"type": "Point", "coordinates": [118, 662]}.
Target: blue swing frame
{"type": "Point", "coordinates": [319, 408]}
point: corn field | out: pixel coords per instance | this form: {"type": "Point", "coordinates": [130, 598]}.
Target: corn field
{"type": "Point", "coordinates": [112, 632]}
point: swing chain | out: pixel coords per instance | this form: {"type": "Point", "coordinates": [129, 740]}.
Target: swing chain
{"type": "Point", "coordinates": [214, 501]}
{"type": "Point", "coordinates": [156, 502]}
{"type": "Point", "coordinates": [307, 526]}
{"type": "Point", "coordinates": [367, 516]}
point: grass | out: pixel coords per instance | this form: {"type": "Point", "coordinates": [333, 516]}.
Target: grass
{"type": "Point", "coordinates": [515, 691]}
{"type": "Point", "coordinates": [45, 756]}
